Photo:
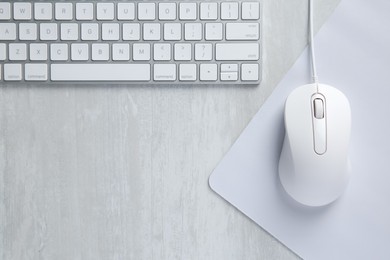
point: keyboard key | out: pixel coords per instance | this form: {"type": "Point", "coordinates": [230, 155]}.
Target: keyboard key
{"type": "Point", "coordinates": [193, 31]}
{"type": "Point", "coordinates": [187, 72]}
{"type": "Point", "coordinates": [12, 72]}
{"type": "Point", "coordinates": [43, 11]}
{"type": "Point", "coordinates": [208, 11]}
{"type": "Point", "coordinates": [100, 52]}
{"type": "Point", "coordinates": [3, 51]}
{"type": "Point", "coordinates": [131, 32]}
{"type": "Point", "coordinates": [121, 52]}
{"type": "Point", "coordinates": [5, 11]}
{"type": "Point", "coordinates": [126, 11]}
{"type": "Point", "coordinates": [214, 31]}
{"type": "Point", "coordinates": [167, 11]}
{"type": "Point", "coordinates": [227, 67]}
{"type": "Point", "coordinates": [162, 51]}
{"type": "Point", "coordinates": [69, 31]}
{"type": "Point", "coordinates": [146, 11]}
{"type": "Point", "coordinates": [172, 31]}
{"type": "Point", "coordinates": [152, 31]}
{"type": "Point", "coordinates": [141, 51]}
{"type": "Point", "coordinates": [22, 11]}
{"type": "Point", "coordinates": [229, 72]}
{"type": "Point", "coordinates": [203, 51]}
{"type": "Point", "coordinates": [64, 11]}
{"type": "Point", "coordinates": [237, 51]}
{"type": "Point", "coordinates": [164, 72]}
{"type": "Point", "coordinates": [84, 11]}
{"type": "Point", "coordinates": [100, 72]}
{"type": "Point", "coordinates": [208, 72]}
{"type": "Point", "coordinates": [7, 31]}
{"type": "Point", "coordinates": [35, 72]}
{"type": "Point", "coordinates": [250, 10]}
{"type": "Point", "coordinates": [27, 31]}
{"type": "Point", "coordinates": [105, 11]}
{"type": "Point", "coordinates": [242, 31]}
{"type": "Point", "coordinates": [17, 52]}
{"type": "Point", "coordinates": [229, 76]}
{"type": "Point", "coordinates": [183, 51]}
{"type": "Point", "coordinates": [79, 52]}
{"type": "Point", "coordinates": [38, 51]}
{"type": "Point", "coordinates": [59, 52]}
{"type": "Point", "coordinates": [110, 31]}
{"type": "Point", "coordinates": [89, 32]}
{"type": "Point", "coordinates": [229, 11]}
{"type": "Point", "coordinates": [188, 11]}
{"type": "Point", "coordinates": [48, 31]}
{"type": "Point", "coordinates": [250, 72]}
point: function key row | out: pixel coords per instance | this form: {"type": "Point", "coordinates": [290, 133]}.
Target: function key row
{"type": "Point", "coordinates": [147, 11]}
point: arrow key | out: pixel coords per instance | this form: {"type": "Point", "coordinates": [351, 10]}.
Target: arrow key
{"type": "Point", "coordinates": [250, 72]}
{"type": "Point", "coordinates": [229, 76]}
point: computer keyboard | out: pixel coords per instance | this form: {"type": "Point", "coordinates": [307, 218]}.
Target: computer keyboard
{"type": "Point", "coordinates": [175, 42]}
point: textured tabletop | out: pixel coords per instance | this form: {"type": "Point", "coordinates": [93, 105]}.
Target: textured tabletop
{"type": "Point", "coordinates": [121, 172]}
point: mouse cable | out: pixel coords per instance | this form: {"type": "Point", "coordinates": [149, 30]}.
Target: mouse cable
{"type": "Point", "coordinates": [312, 52]}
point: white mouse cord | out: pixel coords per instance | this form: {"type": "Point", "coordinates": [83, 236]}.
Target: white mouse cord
{"type": "Point", "coordinates": [312, 52]}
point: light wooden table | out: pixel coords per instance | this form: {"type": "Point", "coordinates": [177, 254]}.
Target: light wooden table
{"type": "Point", "coordinates": [119, 172]}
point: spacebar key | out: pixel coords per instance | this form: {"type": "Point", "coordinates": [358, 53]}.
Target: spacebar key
{"type": "Point", "coordinates": [100, 72]}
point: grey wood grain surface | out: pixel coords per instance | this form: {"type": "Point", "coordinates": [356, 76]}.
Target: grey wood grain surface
{"type": "Point", "coordinates": [121, 172]}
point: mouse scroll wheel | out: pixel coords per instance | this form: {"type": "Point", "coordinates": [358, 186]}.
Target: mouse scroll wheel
{"type": "Point", "coordinates": [318, 108]}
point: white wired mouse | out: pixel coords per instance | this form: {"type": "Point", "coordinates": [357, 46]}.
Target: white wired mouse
{"type": "Point", "coordinates": [314, 167]}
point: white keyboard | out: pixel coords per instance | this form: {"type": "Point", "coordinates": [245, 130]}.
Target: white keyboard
{"type": "Point", "coordinates": [177, 42]}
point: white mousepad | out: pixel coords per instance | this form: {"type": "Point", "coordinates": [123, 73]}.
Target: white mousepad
{"type": "Point", "coordinates": [353, 54]}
